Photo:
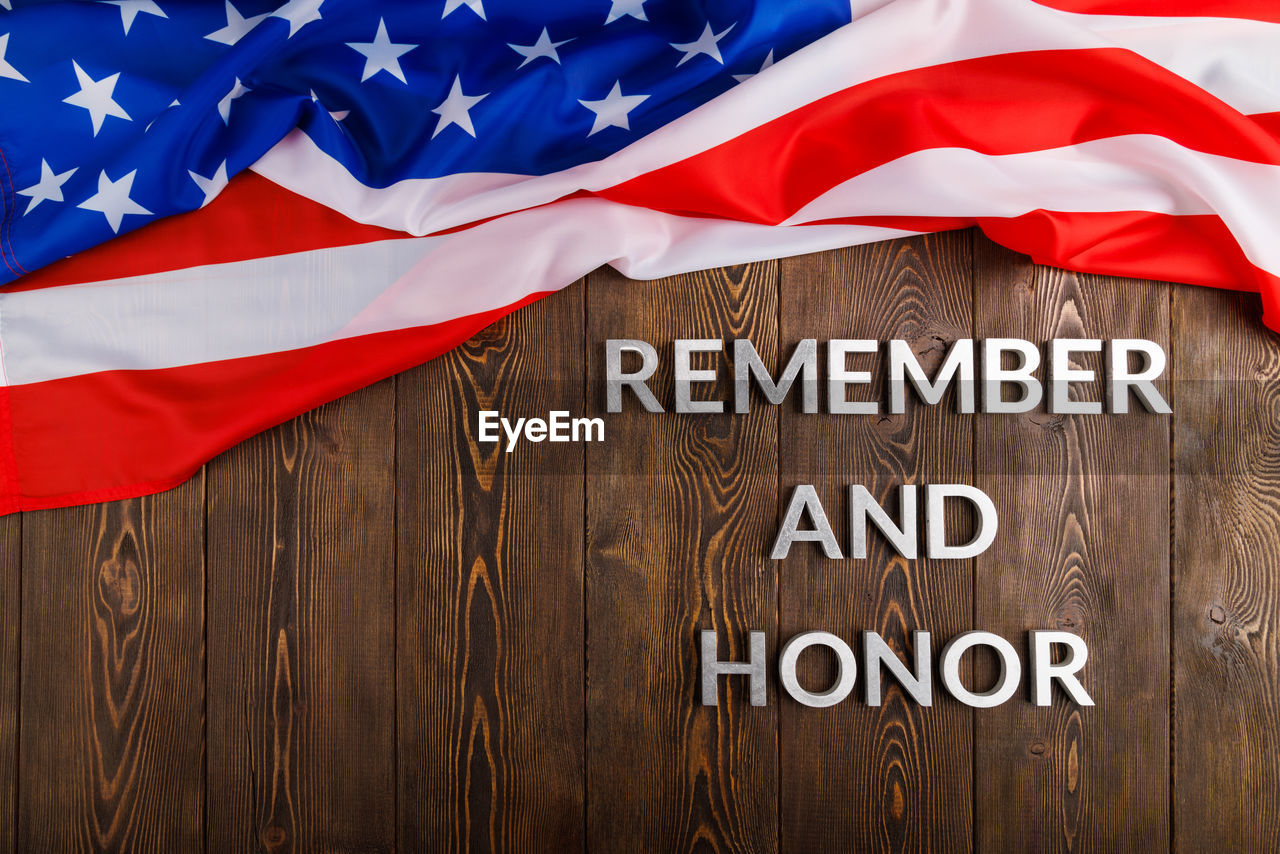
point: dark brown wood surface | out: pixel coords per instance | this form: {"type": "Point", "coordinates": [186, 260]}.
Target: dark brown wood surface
{"type": "Point", "coordinates": [301, 633]}
{"type": "Point", "coordinates": [664, 771]}
{"type": "Point", "coordinates": [490, 615]}
{"type": "Point", "coordinates": [112, 696]}
{"type": "Point", "coordinates": [366, 630]}
{"type": "Point", "coordinates": [10, 640]}
{"type": "Point", "coordinates": [897, 777]}
{"type": "Point", "coordinates": [1226, 623]}
{"type": "Point", "coordinates": [1084, 548]}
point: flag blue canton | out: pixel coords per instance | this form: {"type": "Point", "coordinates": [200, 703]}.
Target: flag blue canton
{"type": "Point", "coordinates": [121, 111]}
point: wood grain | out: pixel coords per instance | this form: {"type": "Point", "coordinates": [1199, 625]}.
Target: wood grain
{"type": "Point", "coordinates": [301, 674]}
{"type": "Point", "coordinates": [894, 777]}
{"type": "Point", "coordinates": [10, 647]}
{"type": "Point", "coordinates": [490, 640]}
{"type": "Point", "coordinates": [112, 687]}
{"type": "Point", "coordinates": [1083, 547]}
{"type": "Point", "coordinates": [679, 509]}
{"type": "Point", "coordinates": [1226, 609]}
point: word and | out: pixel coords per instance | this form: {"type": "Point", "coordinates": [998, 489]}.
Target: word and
{"type": "Point", "coordinates": [974, 378]}
{"type": "Point", "coordinates": [556, 427]}
{"type": "Point", "coordinates": [916, 679]}
{"type": "Point", "coordinates": [903, 535]}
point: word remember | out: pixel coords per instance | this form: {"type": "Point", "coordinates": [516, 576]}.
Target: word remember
{"type": "Point", "coordinates": [973, 377]}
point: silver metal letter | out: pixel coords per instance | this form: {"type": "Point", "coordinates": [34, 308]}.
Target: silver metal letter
{"type": "Point", "coordinates": [1062, 375]}
{"type": "Point", "coordinates": [686, 375]}
{"type": "Point", "coordinates": [838, 376]}
{"type": "Point", "coordinates": [846, 669]}
{"type": "Point", "coordinates": [755, 669]}
{"type": "Point", "coordinates": [803, 498]}
{"type": "Point", "coordinates": [747, 364]}
{"type": "Point", "coordinates": [995, 376]}
{"type": "Point", "coordinates": [861, 505]}
{"type": "Point", "coordinates": [918, 685]}
{"type": "Point", "coordinates": [1044, 671]}
{"type": "Point", "coordinates": [1006, 683]}
{"type": "Point", "coordinates": [1153, 362]}
{"type": "Point", "coordinates": [936, 524]}
{"type": "Point", "coordinates": [903, 365]}
{"type": "Point", "coordinates": [615, 379]}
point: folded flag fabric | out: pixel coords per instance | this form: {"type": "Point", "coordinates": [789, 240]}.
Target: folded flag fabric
{"type": "Point", "coordinates": [296, 200]}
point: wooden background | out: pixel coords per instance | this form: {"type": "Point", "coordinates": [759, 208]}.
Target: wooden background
{"type": "Point", "coordinates": [362, 631]}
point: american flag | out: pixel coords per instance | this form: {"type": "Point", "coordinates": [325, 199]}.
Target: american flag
{"type": "Point", "coordinates": [334, 191]}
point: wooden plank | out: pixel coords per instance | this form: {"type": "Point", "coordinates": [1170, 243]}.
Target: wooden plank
{"type": "Point", "coordinates": [679, 509]}
{"type": "Point", "coordinates": [301, 637]}
{"type": "Point", "coordinates": [1083, 547]}
{"type": "Point", "coordinates": [894, 777]}
{"type": "Point", "coordinates": [490, 638]}
{"type": "Point", "coordinates": [10, 625]}
{"type": "Point", "coordinates": [112, 686]}
{"type": "Point", "coordinates": [1227, 561]}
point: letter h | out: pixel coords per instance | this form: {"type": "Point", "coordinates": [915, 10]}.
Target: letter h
{"type": "Point", "coordinates": [712, 667]}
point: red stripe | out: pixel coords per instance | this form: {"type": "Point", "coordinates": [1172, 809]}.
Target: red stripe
{"type": "Point", "coordinates": [1258, 10]}
{"type": "Point", "coordinates": [1198, 250]}
{"type": "Point", "coordinates": [995, 105]}
{"type": "Point", "coordinates": [118, 434]}
{"type": "Point", "coordinates": [251, 218]}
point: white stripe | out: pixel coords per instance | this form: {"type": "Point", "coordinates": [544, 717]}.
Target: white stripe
{"type": "Point", "coordinates": [1236, 60]}
{"type": "Point", "coordinates": [199, 314]}
{"type": "Point", "coordinates": [250, 308]}
{"type": "Point", "coordinates": [1127, 173]}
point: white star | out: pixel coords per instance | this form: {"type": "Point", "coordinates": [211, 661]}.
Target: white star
{"type": "Point", "coordinates": [237, 27]}
{"type": "Point", "coordinates": [544, 46]}
{"type": "Point", "coordinates": [299, 13]}
{"type": "Point", "coordinates": [612, 110]}
{"type": "Point", "coordinates": [476, 6]}
{"type": "Point", "coordinates": [112, 200]}
{"type": "Point", "coordinates": [7, 70]}
{"type": "Point", "coordinates": [5, 3]}
{"type": "Point", "coordinates": [48, 189]}
{"type": "Point", "coordinates": [129, 9]}
{"type": "Point", "coordinates": [768, 62]}
{"type": "Point", "coordinates": [382, 54]}
{"type": "Point", "coordinates": [453, 110]}
{"type": "Point", "coordinates": [707, 43]}
{"type": "Point", "coordinates": [224, 106]}
{"type": "Point", "coordinates": [210, 186]}
{"type": "Point", "coordinates": [96, 96]}
{"type": "Point", "coordinates": [634, 8]}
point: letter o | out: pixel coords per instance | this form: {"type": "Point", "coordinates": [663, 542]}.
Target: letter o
{"type": "Point", "coordinates": [846, 669]}
{"type": "Point", "coordinates": [1006, 682]}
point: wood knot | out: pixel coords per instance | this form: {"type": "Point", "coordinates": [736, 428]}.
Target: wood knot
{"type": "Point", "coordinates": [119, 579]}
{"type": "Point", "coordinates": [1037, 748]}
{"type": "Point", "coordinates": [897, 805]}
{"type": "Point", "coordinates": [1218, 614]}
{"type": "Point", "coordinates": [1046, 422]}
{"type": "Point", "coordinates": [274, 837]}
{"type": "Point", "coordinates": [1070, 621]}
